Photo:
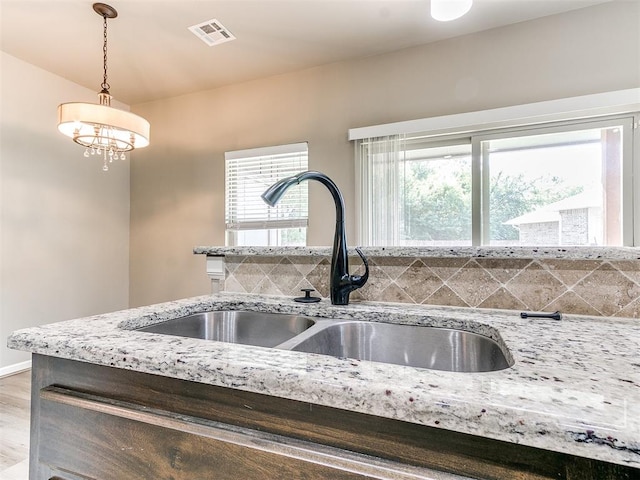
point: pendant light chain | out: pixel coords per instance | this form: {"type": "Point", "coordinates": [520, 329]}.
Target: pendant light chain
{"type": "Point", "coordinates": [105, 86]}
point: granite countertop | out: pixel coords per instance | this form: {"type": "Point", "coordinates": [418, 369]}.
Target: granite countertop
{"type": "Point", "coordinates": [571, 253]}
{"type": "Point", "coordinates": [574, 387]}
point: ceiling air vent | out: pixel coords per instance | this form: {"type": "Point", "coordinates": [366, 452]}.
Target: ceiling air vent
{"type": "Point", "coordinates": [212, 32]}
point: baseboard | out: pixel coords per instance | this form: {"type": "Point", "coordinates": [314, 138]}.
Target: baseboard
{"type": "Point", "coordinates": [15, 368]}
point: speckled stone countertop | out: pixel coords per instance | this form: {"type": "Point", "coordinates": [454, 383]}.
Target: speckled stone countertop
{"type": "Point", "coordinates": [574, 387]}
{"type": "Point", "coordinates": [572, 253]}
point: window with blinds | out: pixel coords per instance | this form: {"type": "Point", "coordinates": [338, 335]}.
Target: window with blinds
{"type": "Point", "coordinates": [249, 220]}
{"type": "Point", "coordinates": [558, 183]}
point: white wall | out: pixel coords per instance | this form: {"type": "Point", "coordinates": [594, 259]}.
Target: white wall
{"type": "Point", "coordinates": [64, 223]}
{"type": "Point", "coordinates": [177, 184]}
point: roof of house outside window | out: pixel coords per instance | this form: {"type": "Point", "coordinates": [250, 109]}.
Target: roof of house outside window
{"type": "Point", "coordinates": [551, 212]}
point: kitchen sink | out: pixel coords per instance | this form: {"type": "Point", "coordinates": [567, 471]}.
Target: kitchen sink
{"type": "Point", "coordinates": [249, 328]}
{"type": "Point", "coordinates": [416, 346]}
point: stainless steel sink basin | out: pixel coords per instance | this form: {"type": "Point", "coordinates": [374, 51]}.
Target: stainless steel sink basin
{"type": "Point", "coordinates": [416, 346]}
{"type": "Point", "coordinates": [249, 328]}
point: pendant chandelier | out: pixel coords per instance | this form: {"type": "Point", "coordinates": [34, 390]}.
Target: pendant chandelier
{"type": "Point", "coordinates": [103, 130]}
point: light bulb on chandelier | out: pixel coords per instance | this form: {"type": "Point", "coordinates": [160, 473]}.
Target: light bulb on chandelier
{"type": "Point", "coordinates": [103, 130]}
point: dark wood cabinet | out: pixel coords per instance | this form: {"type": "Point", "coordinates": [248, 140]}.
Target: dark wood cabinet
{"type": "Point", "coordinates": [101, 423]}
{"type": "Point", "coordinates": [97, 437]}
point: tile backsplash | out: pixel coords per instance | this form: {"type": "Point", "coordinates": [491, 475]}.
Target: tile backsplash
{"type": "Point", "coordinates": [603, 287]}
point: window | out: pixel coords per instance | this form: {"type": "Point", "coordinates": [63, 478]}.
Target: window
{"type": "Point", "coordinates": [562, 183]}
{"type": "Point", "coordinates": [248, 173]}
{"type": "Point", "coordinates": [555, 186]}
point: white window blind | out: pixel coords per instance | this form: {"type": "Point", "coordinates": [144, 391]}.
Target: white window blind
{"type": "Point", "coordinates": [248, 173]}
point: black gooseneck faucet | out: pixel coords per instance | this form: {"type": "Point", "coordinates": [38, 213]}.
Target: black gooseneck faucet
{"type": "Point", "coordinates": [341, 283]}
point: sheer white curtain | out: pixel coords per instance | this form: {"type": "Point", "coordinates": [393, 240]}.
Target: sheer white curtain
{"type": "Point", "coordinates": [379, 172]}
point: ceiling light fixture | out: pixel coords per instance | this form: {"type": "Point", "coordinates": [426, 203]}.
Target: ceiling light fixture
{"type": "Point", "coordinates": [100, 128]}
{"type": "Point", "coordinates": [446, 10]}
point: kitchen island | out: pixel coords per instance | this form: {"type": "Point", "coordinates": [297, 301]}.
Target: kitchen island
{"type": "Point", "coordinates": [569, 407]}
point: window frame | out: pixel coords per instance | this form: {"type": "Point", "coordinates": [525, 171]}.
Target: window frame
{"type": "Point", "coordinates": [480, 195]}
{"type": "Point", "coordinates": [480, 174]}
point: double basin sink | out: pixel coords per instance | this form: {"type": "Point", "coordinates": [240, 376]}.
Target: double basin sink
{"type": "Point", "coordinates": [417, 346]}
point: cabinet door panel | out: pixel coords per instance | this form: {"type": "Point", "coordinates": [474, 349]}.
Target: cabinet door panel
{"type": "Point", "coordinates": [106, 439]}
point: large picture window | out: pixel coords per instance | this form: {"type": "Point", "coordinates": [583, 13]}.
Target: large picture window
{"type": "Point", "coordinates": [565, 183]}
{"type": "Point", "coordinates": [248, 173]}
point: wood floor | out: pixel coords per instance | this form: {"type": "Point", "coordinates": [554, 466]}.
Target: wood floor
{"type": "Point", "coordinates": [14, 426]}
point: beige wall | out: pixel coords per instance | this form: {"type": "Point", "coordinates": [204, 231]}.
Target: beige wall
{"type": "Point", "coordinates": [177, 185]}
{"type": "Point", "coordinates": [64, 223]}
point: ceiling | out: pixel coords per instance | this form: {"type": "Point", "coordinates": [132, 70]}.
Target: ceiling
{"type": "Point", "coordinates": [153, 55]}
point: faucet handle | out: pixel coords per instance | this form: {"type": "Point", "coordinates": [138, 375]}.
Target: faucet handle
{"type": "Point", "coordinates": [358, 281]}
